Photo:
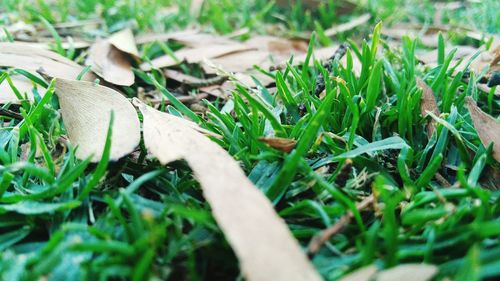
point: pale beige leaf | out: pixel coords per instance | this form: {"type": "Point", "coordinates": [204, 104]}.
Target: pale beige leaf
{"type": "Point", "coordinates": [110, 63]}
{"type": "Point", "coordinates": [353, 23]}
{"type": "Point", "coordinates": [22, 84]}
{"type": "Point", "coordinates": [486, 126]}
{"type": "Point", "coordinates": [36, 59]}
{"type": "Point", "coordinates": [428, 104]}
{"type": "Point", "coordinates": [277, 45]}
{"type": "Point", "coordinates": [194, 55]}
{"type": "Point", "coordinates": [363, 274]}
{"type": "Point", "coordinates": [259, 237]}
{"type": "Point", "coordinates": [144, 38]}
{"type": "Point", "coordinates": [86, 108]}
{"type": "Point", "coordinates": [408, 272]}
{"type": "Point", "coordinates": [125, 42]}
{"type": "Point", "coordinates": [239, 61]}
{"type": "Point", "coordinates": [195, 8]}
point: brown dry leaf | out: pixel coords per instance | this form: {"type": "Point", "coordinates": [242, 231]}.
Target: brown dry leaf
{"type": "Point", "coordinates": [36, 59]}
{"type": "Point", "coordinates": [363, 274]}
{"type": "Point", "coordinates": [110, 63]}
{"type": "Point", "coordinates": [22, 84]}
{"type": "Point", "coordinates": [86, 108]}
{"type": "Point", "coordinates": [194, 55]}
{"type": "Point", "coordinates": [261, 240]}
{"type": "Point", "coordinates": [408, 272]}
{"type": "Point", "coordinates": [488, 59]}
{"type": "Point", "coordinates": [358, 21]}
{"type": "Point", "coordinates": [283, 144]}
{"type": "Point", "coordinates": [486, 126]}
{"type": "Point", "coordinates": [428, 104]}
{"type": "Point", "coordinates": [125, 42]}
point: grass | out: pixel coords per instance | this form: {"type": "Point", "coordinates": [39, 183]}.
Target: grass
{"type": "Point", "coordinates": [61, 218]}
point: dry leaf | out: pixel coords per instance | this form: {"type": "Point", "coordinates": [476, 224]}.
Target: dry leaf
{"type": "Point", "coordinates": [145, 38]}
{"type": "Point", "coordinates": [277, 45]}
{"type": "Point", "coordinates": [488, 59]}
{"type": "Point", "coordinates": [194, 55]}
{"type": "Point", "coordinates": [110, 63]}
{"type": "Point", "coordinates": [408, 272]}
{"type": "Point", "coordinates": [86, 108]}
{"type": "Point", "coordinates": [428, 104]}
{"type": "Point", "coordinates": [486, 126]}
{"type": "Point", "coordinates": [283, 144]}
{"type": "Point", "coordinates": [195, 8]}
{"type": "Point", "coordinates": [363, 274]}
{"type": "Point", "coordinates": [35, 59]}
{"type": "Point", "coordinates": [22, 84]}
{"type": "Point", "coordinates": [259, 237]}
{"type": "Point", "coordinates": [238, 62]}
{"type": "Point", "coordinates": [428, 36]}
{"type": "Point", "coordinates": [125, 42]}
{"type": "Point", "coordinates": [360, 20]}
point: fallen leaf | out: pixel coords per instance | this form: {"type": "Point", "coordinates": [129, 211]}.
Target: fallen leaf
{"type": "Point", "coordinates": [353, 23]}
{"type": "Point", "coordinates": [36, 59]}
{"type": "Point", "coordinates": [431, 57]}
{"type": "Point", "coordinates": [283, 144]}
{"type": "Point", "coordinates": [23, 85]}
{"type": "Point", "coordinates": [408, 272]}
{"type": "Point", "coordinates": [195, 8]}
{"type": "Point", "coordinates": [488, 59]}
{"type": "Point", "coordinates": [125, 42]}
{"type": "Point", "coordinates": [363, 274]}
{"type": "Point", "coordinates": [428, 36]}
{"type": "Point", "coordinates": [194, 55]}
{"type": "Point", "coordinates": [277, 45]}
{"type": "Point", "coordinates": [428, 104]}
{"type": "Point", "coordinates": [86, 108]}
{"type": "Point", "coordinates": [239, 62]}
{"type": "Point", "coordinates": [261, 240]}
{"type": "Point", "coordinates": [110, 63]}
{"type": "Point", "coordinates": [145, 38]}
{"type": "Point", "coordinates": [488, 129]}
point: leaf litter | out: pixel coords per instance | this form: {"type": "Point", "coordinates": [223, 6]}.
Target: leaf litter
{"type": "Point", "coordinates": [241, 210]}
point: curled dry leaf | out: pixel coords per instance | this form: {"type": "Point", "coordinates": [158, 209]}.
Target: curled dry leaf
{"type": "Point", "coordinates": [110, 58]}
{"type": "Point", "coordinates": [86, 109]}
{"type": "Point", "coordinates": [486, 126]}
{"type": "Point", "coordinates": [283, 144]}
{"type": "Point", "coordinates": [428, 104]}
{"type": "Point", "coordinates": [259, 237]}
{"type": "Point", "coordinates": [110, 63]}
{"type": "Point", "coordinates": [125, 42]}
{"type": "Point", "coordinates": [35, 59]}
{"type": "Point", "coordinates": [363, 274]}
{"type": "Point", "coordinates": [408, 272]}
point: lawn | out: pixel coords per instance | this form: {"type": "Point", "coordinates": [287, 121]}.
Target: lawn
{"type": "Point", "coordinates": [249, 140]}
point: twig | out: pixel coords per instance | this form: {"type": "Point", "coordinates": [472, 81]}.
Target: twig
{"type": "Point", "coordinates": [11, 114]}
{"type": "Point", "coordinates": [318, 240]}
{"type": "Point", "coordinates": [320, 80]}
